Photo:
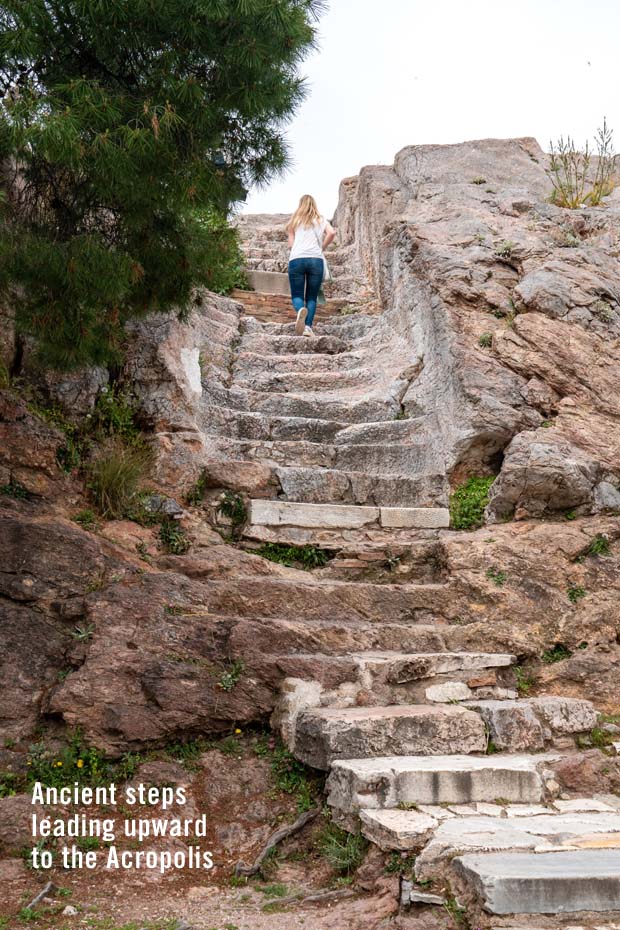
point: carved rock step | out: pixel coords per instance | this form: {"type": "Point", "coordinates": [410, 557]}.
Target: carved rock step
{"type": "Point", "coordinates": [336, 601]}
{"type": "Point", "coordinates": [380, 406]}
{"type": "Point", "coordinates": [382, 783]}
{"type": "Point", "coordinates": [287, 343]}
{"type": "Point", "coordinates": [249, 363]}
{"type": "Point", "coordinates": [326, 734]}
{"type": "Point", "coordinates": [529, 724]}
{"type": "Point", "coordinates": [346, 382]}
{"type": "Point", "coordinates": [381, 460]}
{"type": "Point", "coordinates": [541, 833]}
{"type": "Point", "coordinates": [342, 516]}
{"type": "Point", "coordinates": [236, 424]}
{"type": "Point", "coordinates": [550, 883]}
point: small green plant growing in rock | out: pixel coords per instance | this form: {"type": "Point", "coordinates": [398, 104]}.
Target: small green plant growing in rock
{"type": "Point", "coordinates": [492, 747]}
{"type": "Point", "coordinates": [497, 576]}
{"type": "Point", "coordinates": [173, 537]}
{"type": "Point", "coordinates": [524, 681]}
{"type": "Point", "coordinates": [15, 490]}
{"type": "Point", "coordinates": [196, 495]}
{"type": "Point", "coordinates": [306, 557]}
{"type": "Point", "coordinates": [401, 415]}
{"type": "Point", "coordinates": [573, 184]}
{"type": "Point", "coordinates": [233, 507]}
{"type": "Point", "coordinates": [505, 249]}
{"type": "Point", "coordinates": [82, 634]}
{"type": "Point", "coordinates": [456, 912]}
{"type": "Point", "coordinates": [86, 519]}
{"type": "Point", "coordinates": [275, 890]}
{"type": "Point", "coordinates": [290, 776]}
{"type": "Point", "coordinates": [343, 851]}
{"type": "Point", "coordinates": [603, 310]}
{"type": "Point", "coordinates": [556, 653]}
{"type": "Point", "coordinates": [468, 502]}
{"type": "Point", "coordinates": [400, 864]}
{"type": "Point", "coordinates": [599, 545]}
{"type": "Point", "coordinates": [407, 806]}
{"type": "Point", "coordinates": [570, 515]}
{"type": "Point", "coordinates": [575, 593]}
{"type": "Point", "coordinates": [478, 180]}
{"type": "Point", "coordinates": [231, 677]}
{"type": "Point", "coordinates": [486, 340]}
{"type": "Point", "coordinates": [113, 478]}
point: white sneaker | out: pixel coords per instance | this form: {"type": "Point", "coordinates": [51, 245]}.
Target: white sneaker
{"type": "Point", "coordinates": [308, 331]}
{"type": "Point", "coordinates": [300, 321]}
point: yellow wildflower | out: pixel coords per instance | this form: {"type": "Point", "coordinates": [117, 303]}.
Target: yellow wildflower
{"type": "Point", "coordinates": [237, 730]}
{"type": "Point", "coordinates": [80, 763]}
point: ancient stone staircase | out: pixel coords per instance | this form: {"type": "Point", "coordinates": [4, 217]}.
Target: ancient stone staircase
{"type": "Point", "coordinates": [430, 749]}
{"type": "Point", "coordinates": [435, 755]}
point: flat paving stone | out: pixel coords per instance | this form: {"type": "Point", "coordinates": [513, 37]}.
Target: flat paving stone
{"type": "Point", "coordinates": [285, 513]}
{"type": "Point", "coordinates": [544, 833]}
{"type": "Point", "coordinates": [553, 883]}
{"type": "Point", "coordinates": [432, 781]}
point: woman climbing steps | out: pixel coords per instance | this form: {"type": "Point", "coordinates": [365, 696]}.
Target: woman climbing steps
{"type": "Point", "coordinates": [308, 235]}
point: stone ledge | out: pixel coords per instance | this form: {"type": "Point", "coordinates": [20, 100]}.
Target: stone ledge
{"type": "Point", "coordinates": [345, 516]}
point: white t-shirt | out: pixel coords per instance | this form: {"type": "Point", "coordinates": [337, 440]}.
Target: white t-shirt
{"type": "Point", "coordinates": [308, 241]}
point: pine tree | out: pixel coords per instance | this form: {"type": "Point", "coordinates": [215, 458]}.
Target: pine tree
{"type": "Point", "coordinates": [129, 127]}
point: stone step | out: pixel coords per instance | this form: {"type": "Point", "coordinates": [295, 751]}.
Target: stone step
{"type": "Point", "coordinates": [268, 282]}
{"type": "Point", "coordinates": [384, 783]}
{"type": "Point", "coordinates": [531, 723]}
{"type": "Point", "coordinates": [542, 833]}
{"type": "Point", "coordinates": [295, 636]}
{"type": "Point", "coordinates": [310, 601]}
{"type": "Point", "coordinates": [551, 883]}
{"type": "Point", "coordinates": [287, 343]}
{"type": "Point", "coordinates": [317, 381]}
{"type": "Point", "coordinates": [380, 460]}
{"type": "Point", "coordinates": [399, 495]}
{"type": "Point", "coordinates": [238, 424]}
{"type": "Point", "coordinates": [248, 364]}
{"type": "Point", "coordinates": [324, 735]}
{"type": "Point", "coordinates": [289, 513]}
{"type": "Point", "coordinates": [368, 409]}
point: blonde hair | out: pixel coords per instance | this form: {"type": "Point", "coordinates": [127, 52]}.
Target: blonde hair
{"type": "Point", "coordinates": [307, 214]}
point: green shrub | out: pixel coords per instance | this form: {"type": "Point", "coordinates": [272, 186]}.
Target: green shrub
{"type": "Point", "coordinates": [497, 576]}
{"type": "Point", "coordinates": [306, 557]}
{"type": "Point", "coordinates": [343, 851]}
{"type": "Point", "coordinates": [524, 681]}
{"type": "Point", "coordinates": [599, 545]}
{"type": "Point", "coordinates": [467, 503]}
{"type": "Point", "coordinates": [556, 653]}
{"type": "Point", "coordinates": [575, 593]}
{"type": "Point", "coordinates": [15, 489]}
{"type": "Point", "coordinates": [86, 519]}
{"type": "Point", "coordinates": [290, 776]}
{"type": "Point", "coordinates": [113, 478]}
{"type": "Point", "coordinates": [173, 537]}
{"type": "Point", "coordinates": [195, 495]}
{"type": "Point", "coordinates": [233, 507]}
{"type": "Point", "coordinates": [486, 340]}
{"type": "Point", "coordinates": [231, 677]}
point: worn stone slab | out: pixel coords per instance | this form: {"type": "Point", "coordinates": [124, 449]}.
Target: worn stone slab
{"type": "Point", "coordinates": [397, 829]}
{"type": "Point", "coordinates": [565, 715]}
{"type": "Point", "coordinates": [409, 894]}
{"type": "Point", "coordinates": [544, 833]}
{"type": "Point", "coordinates": [326, 734]}
{"type": "Point", "coordinates": [529, 723]}
{"type": "Point", "coordinates": [448, 691]}
{"type": "Point", "coordinates": [268, 282]}
{"type": "Point", "coordinates": [582, 805]}
{"type": "Point", "coordinates": [416, 517]}
{"type": "Point", "coordinates": [451, 779]}
{"type": "Point", "coordinates": [287, 513]}
{"type": "Point", "coordinates": [416, 666]}
{"type": "Point", "coordinates": [558, 883]}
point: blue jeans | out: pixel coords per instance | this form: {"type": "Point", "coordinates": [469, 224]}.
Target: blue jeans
{"type": "Point", "coordinates": [306, 276]}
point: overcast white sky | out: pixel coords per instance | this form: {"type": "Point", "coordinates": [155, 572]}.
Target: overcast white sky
{"type": "Point", "coordinates": [392, 73]}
